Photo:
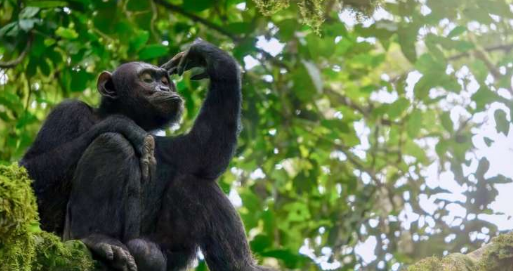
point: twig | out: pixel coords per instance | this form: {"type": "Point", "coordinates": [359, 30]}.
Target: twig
{"type": "Point", "coordinates": [16, 61]}
{"type": "Point", "coordinates": [505, 47]}
{"type": "Point", "coordinates": [344, 100]}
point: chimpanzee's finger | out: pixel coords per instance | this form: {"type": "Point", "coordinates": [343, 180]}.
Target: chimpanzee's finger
{"type": "Point", "coordinates": [123, 259]}
{"type": "Point", "coordinates": [105, 250]}
{"type": "Point", "coordinates": [171, 64]}
{"type": "Point", "coordinates": [131, 263]}
{"type": "Point", "coordinates": [182, 65]}
{"type": "Point", "coordinates": [147, 160]}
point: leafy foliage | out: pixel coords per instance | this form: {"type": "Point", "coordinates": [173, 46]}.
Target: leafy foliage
{"type": "Point", "coordinates": [345, 130]}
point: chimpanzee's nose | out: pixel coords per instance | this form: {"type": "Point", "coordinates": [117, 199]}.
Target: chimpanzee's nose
{"type": "Point", "coordinates": [163, 88]}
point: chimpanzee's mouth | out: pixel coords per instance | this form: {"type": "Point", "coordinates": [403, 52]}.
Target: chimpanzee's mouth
{"type": "Point", "coordinates": [164, 97]}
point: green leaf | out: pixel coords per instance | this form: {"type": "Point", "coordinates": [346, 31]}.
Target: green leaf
{"type": "Point", "coordinates": [260, 243]}
{"type": "Point", "coordinates": [47, 4]}
{"type": "Point", "coordinates": [315, 75]}
{"type": "Point", "coordinates": [414, 123]}
{"type": "Point", "coordinates": [238, 27]}
{"type": "Point", "coordinates": [458, 30]}
{"type": "Point", "coordinates": [318, 46]}
{"type": "Point", "coordinates": [140, 39]}
{"type": "Point", "coordinates": [79, 80]}
{"type": "Point", "coordinates": [10, 29]}
{"type": "Point", "coordinates": [501, 122]}
{"type": "Point", "coordinates": [28, 12]}
{"type": "Point", "coordinates": [138, 5]}
{"type": "Point", "coordinates": [483, 97]}
{"type": "Point", "coordinates": [153, 51]}
{"type": "Point", "coordinates": [44, 67]}
{"type": "Point", "coordinates": [197, 5]}
{"type": "Point", "coordinates": [27, 24]}
{"type": "Point", "coordinates": [424, 85]}
{"type": "Point", "coordinates": [441, 148]}
{"type": "Point", "coordinates": [479, 70]}
{"type": "Point", "coordinates": [398, 107]}
{"type": "Point", "coordinates": [66, 33]}
{"type": "Point", "coordinates": [447, 122]}
{"type": "Point", "coordinates": [26, 119]}
{"type": "Point", "coordinates": [407, 40]}
{"type": "Point", "coordinates": [428, 64]}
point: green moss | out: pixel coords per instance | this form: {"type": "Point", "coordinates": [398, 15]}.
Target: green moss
{"type": "Point", "coordinates": [431, 264]}
{"type": "Point", "coordinates": [362, 7]}
{"type": "Point", "coordinates": [18, 219]}
{"type": "Point", "coordinates": [23, 245]}
{"type": "Point", "coordinates": [458, 262]}
{"type": "Point", "coordinates": [312, 12]}
{"type": "Point", "coordinates": [453, 262]}
{"type": "Point", "coordinates": [269, 7]}
{"type": "Point", "coordinates": [498, 255]}
{"type": "Point", "coordinates": [52, 254]}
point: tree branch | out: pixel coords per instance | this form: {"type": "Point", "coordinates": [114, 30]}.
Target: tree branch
{"type": "Point", "coordinates": [494, 256]}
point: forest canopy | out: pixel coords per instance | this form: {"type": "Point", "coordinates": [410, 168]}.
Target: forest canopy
{"type": "Point", "coordinates": [375, 133]}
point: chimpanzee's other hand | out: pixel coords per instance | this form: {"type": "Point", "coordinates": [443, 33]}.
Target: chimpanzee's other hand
{"type": "Point", "coordinates": [142, 142]}
{"type": "Point", "coordinates": [190, 59]}
{"type": "Point", "coordinates": [147, 160]}
{"type": "Point", "coordinates": [205, 60]}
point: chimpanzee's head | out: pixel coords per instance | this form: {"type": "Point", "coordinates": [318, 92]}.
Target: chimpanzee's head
{"type": "Point", "coordinates": [142, 92]}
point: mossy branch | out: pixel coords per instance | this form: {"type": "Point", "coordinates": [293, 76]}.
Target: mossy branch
{"type": "Point", "coordinates": [23, 245]}
{"type": "Point", "coordinates": [495, 256]}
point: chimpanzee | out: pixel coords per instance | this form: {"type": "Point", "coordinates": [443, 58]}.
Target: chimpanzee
{"type": "Point", "coordinates": [182, 208]}
{"type": "Point", "coordinates": [73, 125]}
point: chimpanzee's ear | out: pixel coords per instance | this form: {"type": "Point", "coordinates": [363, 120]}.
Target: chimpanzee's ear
{"type": "Point", "coordinates": [106, 86]}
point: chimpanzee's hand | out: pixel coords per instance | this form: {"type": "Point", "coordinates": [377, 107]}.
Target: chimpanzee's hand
{"type": "Point", "coordinates": [147, 160]}
{"type": "Point", "coordinates": [111, 251]}
{"type": "Point", "coordinates": [142, 142]}
{"type": "Point", "coordinates": [205, 60]}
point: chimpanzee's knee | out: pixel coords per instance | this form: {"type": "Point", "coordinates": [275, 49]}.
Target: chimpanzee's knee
{"type": "Point", "coordinates": [147, 255]}
{"type": "Point", "coordinates": [114, 143]}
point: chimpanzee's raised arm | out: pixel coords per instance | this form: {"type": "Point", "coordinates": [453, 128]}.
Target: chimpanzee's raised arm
{"type": "Point", "coordinates": [207, 149]}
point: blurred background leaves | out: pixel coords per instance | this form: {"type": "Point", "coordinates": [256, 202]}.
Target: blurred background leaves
{"type": "Point", "coordinates": [351, 110]}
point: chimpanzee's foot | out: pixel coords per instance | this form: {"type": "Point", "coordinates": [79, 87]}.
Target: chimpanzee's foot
{"type": "Point", "coordinates": [111, 251]}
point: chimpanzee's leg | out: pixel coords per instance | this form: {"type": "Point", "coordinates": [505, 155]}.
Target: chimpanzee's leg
{"type": "Point", "coordinates": [106, 190]}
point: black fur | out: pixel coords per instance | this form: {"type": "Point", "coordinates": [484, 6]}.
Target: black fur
{"type": "Point", "coordinates": [73, 125]}
{"type": "Point", "coordinates": [163, 223]}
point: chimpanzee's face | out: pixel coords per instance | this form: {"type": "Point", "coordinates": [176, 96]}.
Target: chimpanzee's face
{"type": "Point", "coordinates": [150, 92]}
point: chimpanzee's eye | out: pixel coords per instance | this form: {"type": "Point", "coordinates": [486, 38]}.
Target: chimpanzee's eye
{"type": "Point", "coordinates": [146, 77]}
{"type": "Point", "coordinates": [164, 81]}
